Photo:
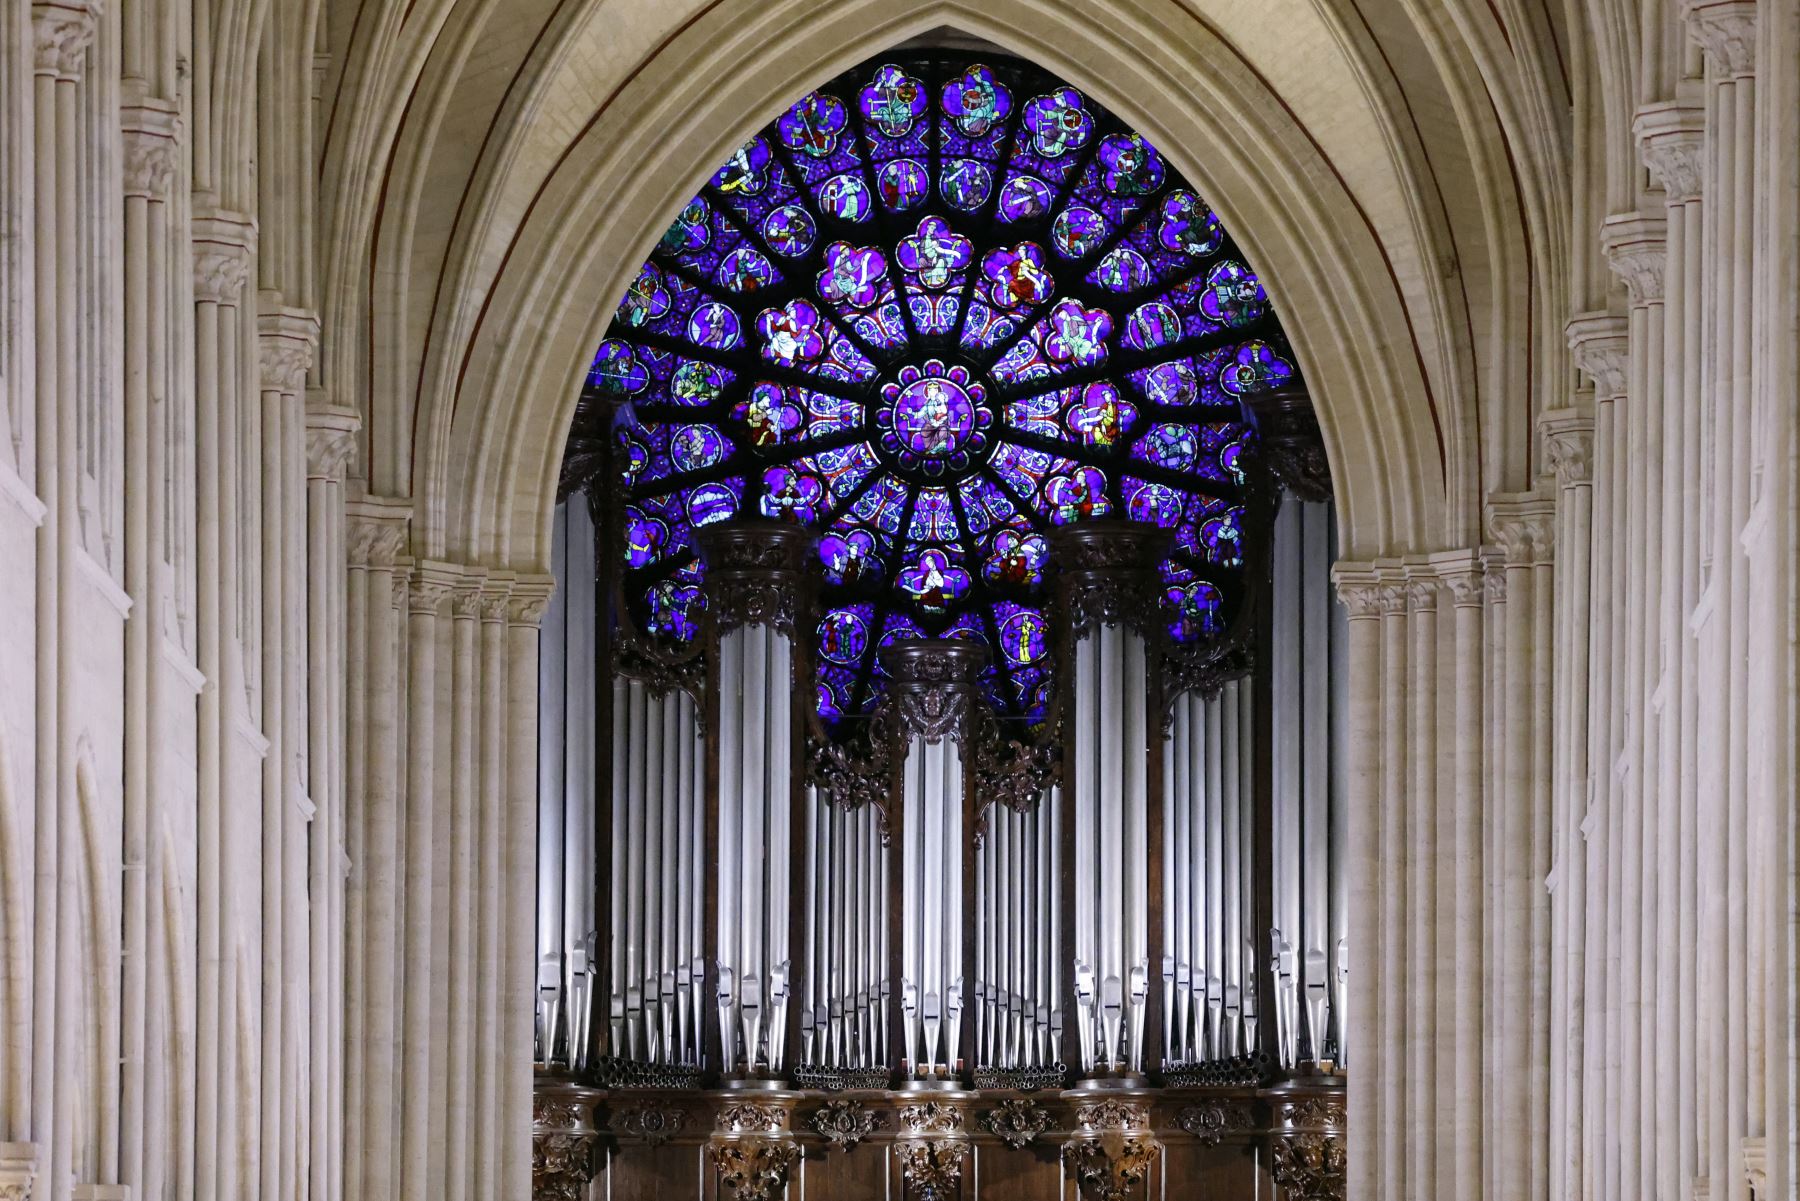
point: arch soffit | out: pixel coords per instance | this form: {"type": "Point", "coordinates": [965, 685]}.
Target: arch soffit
{"type": "Point", "coordinates": [725, 73]}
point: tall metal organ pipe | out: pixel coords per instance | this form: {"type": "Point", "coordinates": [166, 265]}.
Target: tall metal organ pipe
{"type": "Point", "coordinates": [755, 577]}
{"type": "Point", "coordinates": [928, 718]}
{"type": "Point", "coordinates": [1017, 1002]}
{"type": "Point", "coordinates": [1107, 582]}
{"type": "Point", "coordinates": [843, 1025]}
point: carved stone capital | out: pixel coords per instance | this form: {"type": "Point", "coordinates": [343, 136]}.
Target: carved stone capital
{"type": "Point", "coordinates": [1422, 588]}
{"type": "Point", "coordinates": [1465, 584]}
{"type": "Point", "coordinates": [1671, 138]}
{"type": "Point", "coordinates": [223, 245]}
{"type": "Point", "coordinates": [151, 132]}
{"type": "Point", "coordinates": [1016, 1121]}
{"type": "Point", "coordinates": [1106, 572]}
{"type": "Point", "coordinates": [529, 597]}
{"type": "Point", "coordinates": [1359, 591]}
{"type": "Point", "coordinates": [1292, 446]}
{"type": "Point", "coordinates": [62, 31]}
{"type": "Point", "coordinates": [1493, 584]}
{"type": "Point", "coordinates": [1391, 597]}
{"type": "Point", "coordinates": [377, 539]}
{"type": "Point", "coordinates": [465, 596]}
{"type": "Point", "coordinates": [932, 1167]}
{"type": "Point", "coordinates": [756, 572]}
{"type": "Point", "coordinates": [1756, 1167]}
{"type": "Point", "coordinates": [845, 1122]}
{"type": "Point", "coordinates": [1726, 30]}
{"type": "Point", "coordinates": [932, 691]}
{"type": "Point", "coordinates": [754, 1167]}
{"type": "Point", "coordinates": [1636, 248]}
{"type": "Point", "coordinates": [1111, 1149]}
{"type": "Point", "coordinates": [1214, 1121]}
{"type": "Point", "coordinates": [431, 583]}
{"type": "Point", "coordinates": [18, 1168]}
{"type": "Point", "coordinates": [1568, 436]}
{"type": "Point", "coordinates": [330, 441]}
{"type": "Point", "coordinates": [562, 1143]}
{"type": "Point", "coordinates": [1525, 528]}
{"type": "Point", "coordinates": [1601, 348]}
{"type": "Point", "coordinates": [285, 341]}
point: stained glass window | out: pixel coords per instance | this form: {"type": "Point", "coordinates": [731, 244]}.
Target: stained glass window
{"type": "Point", "coordinates": [937, 308]}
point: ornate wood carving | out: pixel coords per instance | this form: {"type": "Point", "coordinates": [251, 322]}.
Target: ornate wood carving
{"type": "Point", "coordinates": [1111, 1150]}
{"type": "Point", "coordinates": [1288, 436]}
{"type": "Point", "coordinates": [754, 1167]}
{"type": "Point", "coordinates": [1212, 1122]}
{"type": "Point", "coordinates": [756, 572]}
{"type": "Point", "coordinates": [562, 1143]}
{"type": "Point", "coordinates": [1106, 573]}
{"type": "Point", "coordinates": [1309, 1165]}
{"type": "Point", "coordinates": [846, 1122]}
{"type": "Point", "coordinates": [932, 691]}
{"type": "Point", "coordinates": [932, 1167]}
{"type": "Point", "coordinates": [1016, 1121]}
{"type": "Point", "coordinates": [655, 1122]}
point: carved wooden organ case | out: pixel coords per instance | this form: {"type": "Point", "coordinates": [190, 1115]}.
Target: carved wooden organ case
{"type": "Point", "coordinates": [1014, 855]}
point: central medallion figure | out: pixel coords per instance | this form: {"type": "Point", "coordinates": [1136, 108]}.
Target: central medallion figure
{"type": "Point", "coordinates": [934, 418]}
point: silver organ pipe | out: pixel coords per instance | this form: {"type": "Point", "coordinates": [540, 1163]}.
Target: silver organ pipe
{"type": "Point", "coordinates": [1016, 945]}
{"type": "Point", "coordinates": [1307, 945]}
{"type": "Point", "coordinates": [755, 772]}
{"type": "Point", "coordinates": [931, 974]}
{"type": "Point", "coordinates": [1107, 586]}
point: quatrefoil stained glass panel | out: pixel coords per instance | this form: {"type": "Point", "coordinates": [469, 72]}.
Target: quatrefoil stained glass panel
{"type": "Point", "coordinates": [939, 307]}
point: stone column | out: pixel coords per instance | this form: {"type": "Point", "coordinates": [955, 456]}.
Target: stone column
{"type": "Point", "coordinates": [1568, 436]}
{"type": "Point", "coordinates": [1599, 345]}
{"type": "Point", "coordinates": [1106, 592]}
{"type": "Point", "coordinates": [1670, 139]}
{"type": "Point", "coordinates": [422, 1060]}
{"type": "Point", "coordinates": [330, 441]}
{"type": "Point", "coordinates": [62, 36]}
{"type": "Point", "coordinates": [1360, 593]}
{"type": "Point", "coordinates": [222, 249]}
{"type": "Point", "coordinates": [525, 605]}
{"type": "Point", "coordinates": [377, 534]}
{"type": "Point", "coordinates": [151, 133]}
{"type": "Point", "coordinates": [1727, 32]}
{"type": "Point", "coordinates": [756, 577]}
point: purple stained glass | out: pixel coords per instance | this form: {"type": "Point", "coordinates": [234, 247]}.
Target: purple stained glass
{"type": "Point", "coordinates": [849, 556]}
{"type": "Point", "coordinates": [853, 275]}
{"type": "Point", "coordinates": [791, 496]}
{"type": "Point", "coordinates": [1129, 167]}
{"type": "Point", "coordinates": [1059, 122]}
{"type": "Point", "coordinates": [789, 230]}
{"type": "Point", "coordinates": [768, 415]}
{"type": "Point", "coordinates": [1024, 637]}
{"type": "Point", "coordinates": [792, 332]}
{"type": "Point", "coordinates": [747, 171]}
{"type": "Point", "coordinates": [1078, 232]}
{"type": "Point", "coordinates": [1077, 334]}
{"type": "Point", "coordinates": [1024, 198]}
{"type": "Point", "coordinates": [714, 326]}
{"type": "Point", "coordinates": [933, 252]}
{"type": "Point", "coordinates": [966, 183]}
{"type": "Point", "coordinates": [933, 416]}
{"type": "Point", "coordinates": [933, 581]}
{"type": "Point", "coordinates": [892, 101]}
{"type": "Point", "coordinates": [844, 635]}
{"type": "Point", "coordinates": [976, 101]}
{"type": "Point", "coordinates": [845, 197]}
{"type": "Point", "coordinates": [903, 183]}
{"type": "Point", "coordinates": [1016, 277]}
{"type": "Point", "coordinates": [813, 126]}
{"type": "Point", "coordinates": [933, 397]}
